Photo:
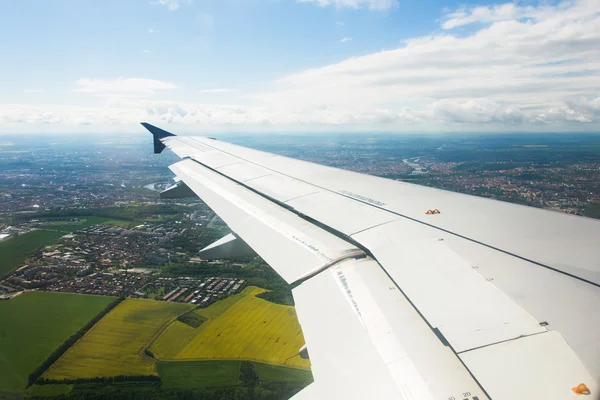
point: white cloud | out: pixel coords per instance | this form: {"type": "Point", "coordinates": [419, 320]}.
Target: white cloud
{"type": "Point", "coordinates": [136, 86]}
{"type": "Point", "coordinates": [208, 115]}
{"type": "Point", "coordinates": [476, 111]}
{"type": "Point", "coordinates": [486, 14]}
{"type": "Point", "coordinates": [510, 71]}
{"type": "Point", "coordinates": [339, 23]}
{"type": "Point", "coordinates": [375, 5]}
{"type": "Point", "coordinates": [150, 30]}
{"type": "Point", "coordinates": [518, 68]}
{"type": "Point", "coordinates": [218, 90]}
{"type": "Point", "coordinates": [16, 114]}
{"type": "Point", "coordinates": [172, 5]}
{"type": "Point", "coordinates": [346, 39]}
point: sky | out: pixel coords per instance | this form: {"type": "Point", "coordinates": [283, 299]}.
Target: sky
{"type": "Point", "coordinates": [194, 66]}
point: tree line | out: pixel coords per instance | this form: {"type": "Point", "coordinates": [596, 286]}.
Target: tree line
{"type": "Point", "coordinates": [105, 380]}
{"type": "Point", "coordinates": [126, 213]}
{"type": "Point", "coordinates": [266, 391]}
{"type": "Point", "coordinates": [56, 354]}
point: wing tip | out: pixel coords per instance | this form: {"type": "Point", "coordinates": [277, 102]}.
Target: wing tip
{"type": "Point", "coordinates": [158, 134]}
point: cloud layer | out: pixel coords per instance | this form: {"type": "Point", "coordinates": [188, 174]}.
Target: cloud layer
{"type": "Point", "coordinates": [524, 65]}
{"type": "Point", "coordinates": [375, 5]}
{"type": "Point", "coordinates": [502, 67]}
{"type": "Point", "coordinates": [121, 86]}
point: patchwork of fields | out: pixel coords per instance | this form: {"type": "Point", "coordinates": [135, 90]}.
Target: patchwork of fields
{"type": "Point", "coordinates": [114, 346]}
{"type": "Point", "coordinates": [33, 325]}
{"type": "Point", "coordinates": [242, 327]}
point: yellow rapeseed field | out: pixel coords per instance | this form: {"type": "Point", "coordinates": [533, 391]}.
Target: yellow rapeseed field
{"type": "Point", "coordinates": [242, 327]}
{"type": "Point", "coordinates": [114, 346]}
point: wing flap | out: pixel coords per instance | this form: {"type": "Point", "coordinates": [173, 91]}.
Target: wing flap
{"type": "Point", "coordinates": [468, 309]}
{"type": "Point", "coordinates": [360, 328]}
{"type": "Point", "coordinates": [538, 367]}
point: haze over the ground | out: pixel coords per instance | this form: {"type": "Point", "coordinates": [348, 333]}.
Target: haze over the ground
{"type": "Point", "coordinates": [300, 65]}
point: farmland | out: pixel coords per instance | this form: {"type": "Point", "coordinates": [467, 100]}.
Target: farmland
{"type": "Point", "coordinates": [242, 327]}
{"type": "Point", "coordinates": [273, 373]}
{"type": "Point", "coordinates": [214, 374]}
{"type": "Point", "coordinates": [114, 346]}
{"type": "Point", "coordinates": [33, 325]}
{"type": "Point", "coordinates": [199, 374]}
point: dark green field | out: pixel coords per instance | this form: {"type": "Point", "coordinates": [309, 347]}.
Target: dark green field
{"type": "Point", "coordinates": [592, 211]}
{"type": "Point", "coordinates": [192, 319]}
{"type": "Point", "coordinates": [199, 374]}
{"type": "Point", "coordinates": [215, 374]}
{"type": "Point", "coordinates": [274, 373]}
{"type": "Point", "coordinates": [49, 390]}
{"type": "Point", "coordinates": [63, 224]}
{"type": "Point", "coordinates": [33, 325]}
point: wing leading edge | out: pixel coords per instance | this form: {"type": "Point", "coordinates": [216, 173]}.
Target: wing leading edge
{"type": "Point", "coordinates": [419, 308]}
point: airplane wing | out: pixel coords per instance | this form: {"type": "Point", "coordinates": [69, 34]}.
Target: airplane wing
{"type": "Point", "coordinates": [410, 292]}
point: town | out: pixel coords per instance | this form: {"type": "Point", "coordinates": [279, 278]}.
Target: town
{"type": "Point", "coordinates": [97, 260]}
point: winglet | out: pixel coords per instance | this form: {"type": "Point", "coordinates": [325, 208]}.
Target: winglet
{"type": "Point", "coordinates": [158, 134]}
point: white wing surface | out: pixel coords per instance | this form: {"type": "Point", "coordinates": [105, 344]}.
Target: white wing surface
{"type": "Point", "coordinates": [484, 300]}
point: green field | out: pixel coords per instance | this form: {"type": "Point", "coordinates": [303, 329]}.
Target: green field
{"type": "Point", "coordinates": [33, 325]}
{"type": "Point", "coordinates": [66, 226]}
{"type": "Point", "coordinates": [274, 373]}
{"type": "Point", "coordinates": [592, 210]}
{"type": "Point", "coordinates": [241, 327]}
{"type": "Point", "coordinates": [192, 318]}
{"type": "Point", "coordinates": [15, 250]}
{"type": "Point", "coordinates": [49, 390]}
{"type": "Point", "coordinates": [214, 374]}
{"type": "Point", "coordinates": [114, 346]}
{"type": "Point", "coordinates": [199, 374]}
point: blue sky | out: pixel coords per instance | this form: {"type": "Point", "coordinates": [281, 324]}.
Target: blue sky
{"type": "Point", "coordinates": [299, 65]}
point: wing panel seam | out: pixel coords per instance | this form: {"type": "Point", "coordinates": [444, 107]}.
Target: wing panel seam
{"type": "Point", "coordinates": [503, 341]}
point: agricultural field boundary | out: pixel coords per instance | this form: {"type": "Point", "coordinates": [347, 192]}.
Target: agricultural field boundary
{"type": "Point", "coordinates": [145, 352]}
{"type": "Point", "coordinates": [34, 325]}
{"type": "Point", "coordinates": [70, 342]}
{"type": "Point", "coordinates": [114, 347]}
